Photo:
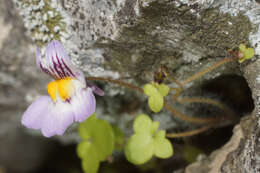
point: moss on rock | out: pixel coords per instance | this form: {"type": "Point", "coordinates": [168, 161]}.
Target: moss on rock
{"type": "Point", "coordinates": [166, 34]}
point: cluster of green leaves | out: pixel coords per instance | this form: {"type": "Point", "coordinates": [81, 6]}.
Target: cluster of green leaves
{"type": "Point", "coordinates": [99, 139]}
{"type": "Point", "coordinates": [155, 93]}
{"type": "Point", "coordinates": [247, 53]}
{"type": "Point", "coordinates": [147, 141]}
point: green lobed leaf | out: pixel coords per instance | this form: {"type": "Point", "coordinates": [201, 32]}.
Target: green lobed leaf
{"type": "Point", "coordinates": [100, 134]}
{"type": "Point", "coordinates": [85, 127]}
{"type": "Point", "coordinates": [147, 141]}
{"type": "Point", "coordinates": [139, 148]}
{"type": "Point", "coordinates": [163, 89]}
{"type": "Point", "coordinates": [155, 126]}
{"type": "Point", "coordinates": [103, 138]}
{"type": "Point", "coordinates": [82, 149]}
{"type": "Point", "coordinates": [249, 53]}
{"type": "Point", "coordinates": [150, 90]}
{"type": "Point", "coordinates": [142, 123]}
{"type": "Point", "coordinates": [160, 134]}
{"type": "Point", "coordinates": [90, 163]}
{"type": "Point", "coordinates": [162, 148]}
{"type": "Point", "coordinates": [242, 47]}
{"type": "Point", "coordinates": [155, 102]}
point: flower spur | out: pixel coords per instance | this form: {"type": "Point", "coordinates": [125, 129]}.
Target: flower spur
{"type": "Point", "coordinates": [70, 98]}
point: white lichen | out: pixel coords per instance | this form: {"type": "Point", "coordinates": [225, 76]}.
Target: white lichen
{"type": "Point", "coordinates": [43, 19]}
{"type": "Point", "coordinates": [248, 8]}
{"type": "Point", "coordinates": [78, 25]}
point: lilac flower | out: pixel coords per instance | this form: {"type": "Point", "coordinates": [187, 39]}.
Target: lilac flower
{"type": "Point", "coordinates": [70, 98]}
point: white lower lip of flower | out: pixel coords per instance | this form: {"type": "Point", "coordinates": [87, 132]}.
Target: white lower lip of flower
{"type": "Point", "coordinates": [77, 102]}
{"type": "Point", "coordinates": [62, 113]}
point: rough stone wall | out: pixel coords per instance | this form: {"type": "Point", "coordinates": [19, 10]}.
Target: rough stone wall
{"type": "Point", "coordinates": [127, 39]}
{"type": "Point", "coordinates": [241, 154]}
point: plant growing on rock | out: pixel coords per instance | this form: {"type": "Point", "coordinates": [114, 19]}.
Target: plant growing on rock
{"type": "Point", "coordinates": [71, 99]}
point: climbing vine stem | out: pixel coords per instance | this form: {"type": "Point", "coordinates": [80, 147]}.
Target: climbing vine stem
{"type": "Point", "coordinates": [207, 122]}
{"type": "Point", "coordinates": [209, 69]}
{"type": "Point", "coordinates": [189, 133]}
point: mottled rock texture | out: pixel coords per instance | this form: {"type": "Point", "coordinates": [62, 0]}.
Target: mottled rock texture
{"type": "Point", "coordinates": [129, 39]}
{"type": "Point", "coordinates": [241, 154]}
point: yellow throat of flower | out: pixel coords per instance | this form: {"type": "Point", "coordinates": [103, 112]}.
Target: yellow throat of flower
{"type": "Point", "coordinates": [62, 88]}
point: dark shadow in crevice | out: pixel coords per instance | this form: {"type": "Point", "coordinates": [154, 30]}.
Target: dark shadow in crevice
{"type": "Point", "coordinates": [232, 90]}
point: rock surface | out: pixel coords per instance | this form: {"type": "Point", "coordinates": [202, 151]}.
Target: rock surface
{"type": "Point", "coordinates": [130, 39]}
{"type": "Point", "coordinates": [241, 153]}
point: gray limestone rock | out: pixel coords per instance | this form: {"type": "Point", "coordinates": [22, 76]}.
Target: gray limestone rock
{"type": "Point", "coordinates": [130, 40]}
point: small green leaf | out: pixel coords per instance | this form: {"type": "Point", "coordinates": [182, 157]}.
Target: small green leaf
{"type": "Point", "coordinates": [162, 148]}
{"type": "Point", "coordinates": [90, 162]}
{"type": "Point", "coordinates": [142, 123]}
{"type": "Point", "coordinates": [247, 52]}
{"type": "Point", "coordinates": [98, 143]}
{"type": "Point", "coordinates": [85, 127]}
{"type": "Point", "coordinates": [139, 148]}
{"type": "Point", "coordinates": [150, 90]}
{"type": "Point", "coordinates": [82, 149]}
{"type": "Point", "coordinates": [155, 102]}
{"type": "Point", "coordinates": [100, 134]}
{"type": "Point", "coordinates": [242, 47]}
{"type": "Point", "coordinates": [163, 89]}
{"type": "Point", "coordinates": [155, 126]}
{"type": "Point", "coordinates": [103, 139]}
{"type": "Point", "coordinates": [160, 134]}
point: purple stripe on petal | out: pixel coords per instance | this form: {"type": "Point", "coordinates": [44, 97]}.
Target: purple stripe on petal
{"type": "Point", "coordinates": [56, 66]}
{"type": "Point", "coordinates": [60, 65]}
{"type": "Point", "coordinates": [51, 73]}
{"type": "Point", "coordinates": [59, 60]}
{"type": "Point", "coordinates": [57, 63]}
{"type": "Point", "coordinates": [67, 68]}
{"type": "Point", "coordinates": [58, 120]}
{"type": "Point", "coordinates": [54, 53]}
{"type": "Point", "coordinates": [35, 113]}
{"type": "Point", "coordinates": [60, 52]}
{"type": "Point", "coordinates": [39, 64]}
{"type": "Point", "coordinates": [84, 105]}
{"type": "Point", "coordinates": [61, 56]}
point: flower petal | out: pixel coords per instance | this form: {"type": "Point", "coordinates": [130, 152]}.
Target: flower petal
{"type": "Point", "coordinates": [33, 116]}
{"type": "Point", "coordinates": [97, 90]}
{"type": "Point", "coordinates": [57, 120]}
{"type": "Point", "coordinates": [58, 60]}
{"type": "Point", "coordinates": [84, 105]}
{"type": "Point", "coordinates": [57, 63]}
